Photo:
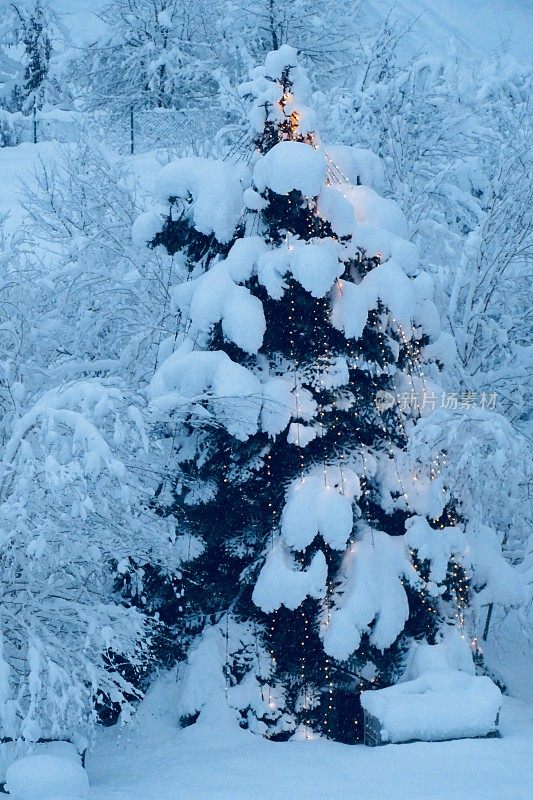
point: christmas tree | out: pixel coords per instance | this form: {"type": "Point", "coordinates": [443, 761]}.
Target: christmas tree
{"type": "Point", "coordinates": [308, 347]}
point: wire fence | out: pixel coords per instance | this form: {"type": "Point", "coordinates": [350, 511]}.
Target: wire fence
{"type": "Point", "coordinates": [132, 131]}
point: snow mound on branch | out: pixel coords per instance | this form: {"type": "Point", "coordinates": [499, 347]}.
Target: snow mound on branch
{"type": "Point", "coordinates": [315, 265]}
{"type": "Point", "coordinates": [216, 297]}
{"type": "Point", "coordinates": [277, 61]}
{"type": "Point", "coordinates": [145, 228]}
{"type": "Point", "coordinates": [372, 209]}
{"type": "Point", "coordinates": [46, 777]}
{"type": "Point", "coordinates": [202, 677]}
{"type": "Point", "coordinates": [291, 166]}
{"type": "Point", "coordinates": [302, 435]}
{"type": "Point", "coordinates": [387, 282]}
{"type": "Point", "coordinates": [211, 386]}
{"type": "Point", "coordinates": [374, 240]}
{"type": "Point", "coordinates": [334, 206]}
{"type": "Point", "coordinates": [435, 546]}
{"type": "Point", "coordinates": [215, 190]}
{"type": "Point", "coordinates": [280, 583]}
{"type": "Point", "coordinates": [242, 259]}
{"type": "Point", "coordinates": [440, 703]}
{"type": "Point", "coordinates": [277, 405]}
{"type": "Point", "coordinates": [282, 401]}
{"type": "Point", "coordinates": [356, 165]}
{"type": "Point", "coordinates": [375, 561]}
{"type": "Point", "coordinates": [320, 503]}
{"type": "Point", "coordinates": [443, 349]}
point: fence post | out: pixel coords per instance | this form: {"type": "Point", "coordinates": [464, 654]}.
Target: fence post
{"type": "Point", "coordinates": [132, 141]}
{"type": "Point", "coordinates": [34, 124]}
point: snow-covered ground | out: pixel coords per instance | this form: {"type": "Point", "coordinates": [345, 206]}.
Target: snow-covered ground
{"type": "Point", "coordinates": [215, 760]}
{"type": "Point", "coordinates": [151, 759]}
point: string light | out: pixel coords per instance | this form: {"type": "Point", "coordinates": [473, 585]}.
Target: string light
{"type": "Point", "coordinates": [412, 356]}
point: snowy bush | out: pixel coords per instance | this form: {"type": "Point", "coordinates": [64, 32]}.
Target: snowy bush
{"type": "Point", "coordinates": [70, 516]}
{"type": "Point", "coordinates": [82, 542]}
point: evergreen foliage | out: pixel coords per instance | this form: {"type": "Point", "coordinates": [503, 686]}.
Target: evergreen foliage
{"type": "Point", "coordinates": [234, 490]}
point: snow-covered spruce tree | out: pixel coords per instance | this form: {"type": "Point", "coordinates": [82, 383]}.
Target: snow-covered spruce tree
{"type": "Point", "coordinates": [305, 316]}
{"type": "Point", "coordinates": [30, 26]}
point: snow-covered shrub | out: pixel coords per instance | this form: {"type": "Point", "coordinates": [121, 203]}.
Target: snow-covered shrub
{"type": "Point", "coordinates": [488, 471]}
{"type": "Point", "coordinates": [9, 135]}
{"type": "Point", "coordinates": [72, 515]}
{"type": "Point", "coordinates": [86, 555]}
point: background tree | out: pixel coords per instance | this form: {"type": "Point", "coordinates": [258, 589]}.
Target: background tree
{"type": "Point", "coordinates": [157, 54]}
{"type": "Point", "coordinates": [28, 31]}
{"type": "Point", "coordinates": [88, 560]}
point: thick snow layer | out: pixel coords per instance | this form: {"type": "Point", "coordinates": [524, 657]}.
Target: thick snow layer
{"type": "Point", "coordinates": [291, 165]}
{"type": "Point", "coordinates": [216, 297]}
{"type": "Point", "coordinates": [320, 503]}
{"type": "Point", "coordinates": [315, 265]}
{"type": "Point", "coordinates": [210, 385]}
{"type": "Point", "coordinates": [47, 777]}
{"type": "Point", "coordinates": [376, 560]}
{"type": "Point", "coordinates": [214, 187]}
{"type": "Point", "coordinates": [356, 165]}
{"type": "Point", "coordinates": [374, 240]}
{"type": "Point", "coordinates": [372, 209]}
{"type": "Point", "coordinates": [301, 435]}
{"type": "Point", "coordinates": [440, 704]}
{"type": "Point", "coordinates": [241, 261]}
{"type": "Point", "coordinates": [11, 751]}
{"type": "Point", "coordinates": [334, 207]}
{"type": "Point", "coordinates": [435, 546]}
{"type": "Point", "coordinates": [282, 401]}
{"type": "Point", "coordinates": [281, 583]}
{"type": "Point", "coordinates": [145, 228]}
{"type": "Point", "coordinates": [443, 349]}
{"type": "Point", "coordinates": [277, 406]}
{"type": "Point", "coordinates": [388, 283]}
{"type": "Point", "coordinates": [277, 60]}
